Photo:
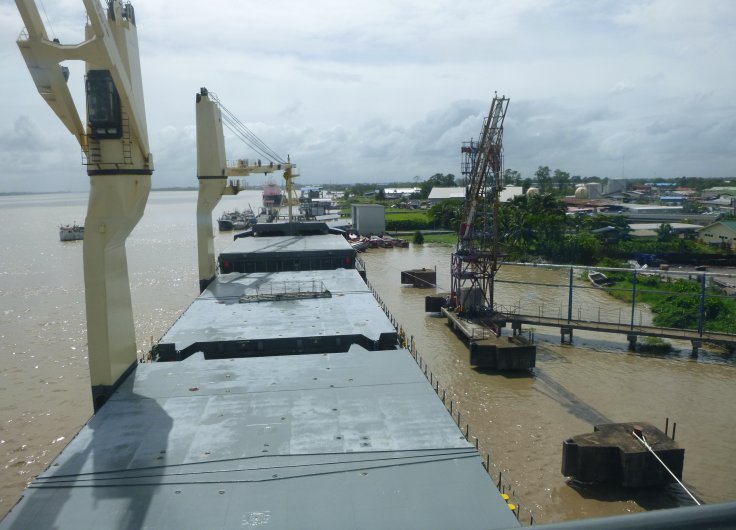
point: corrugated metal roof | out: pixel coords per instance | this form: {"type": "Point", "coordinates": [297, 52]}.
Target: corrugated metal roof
{"type": "Point", "coordinates": [446, 193]}
{"type": "Point", "coordinates": [731, 225]}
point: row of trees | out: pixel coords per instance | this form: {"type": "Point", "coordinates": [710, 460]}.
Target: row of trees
{"type": "Point", "coordinates": [556, 182]}
{"type": "Point", "coordinates": [536, 226]}
{"type": "Point", "coordinates": [439, 180]}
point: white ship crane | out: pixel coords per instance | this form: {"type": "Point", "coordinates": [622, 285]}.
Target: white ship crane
{"type": "Point", "coordinates": [213, 171]}
{"type": "Point", "coordinates": [114, 141]}
{"type": "Point", "coordinates": [475, 261]}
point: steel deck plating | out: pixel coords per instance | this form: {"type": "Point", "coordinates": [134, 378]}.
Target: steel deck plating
{"type": "Point", "coordinates": [344, 440]}
{"type": "Point", "coordinates": [219, 324]}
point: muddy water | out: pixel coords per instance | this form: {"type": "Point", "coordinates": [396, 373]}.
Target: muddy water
{"type": "Point", "coordinates": [522, 420]}
{"type": "Point", "coordinates": [44, 380]}
{"type": "Point", "coordinates": [44, 376]}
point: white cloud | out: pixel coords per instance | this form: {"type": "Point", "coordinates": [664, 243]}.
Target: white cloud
{"type": "Point", "coordinates": [620, 88]}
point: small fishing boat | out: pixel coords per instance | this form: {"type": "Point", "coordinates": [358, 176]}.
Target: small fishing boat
{"type": "Point", "coordinates": [357, 241]}
{"type": "Point", "coordinates": [599, 279]}
{"type": "Point", "coordinates": [71, 232]}
{"type": "Point", "coordinates": [236, 220]}
{"type": "Point", "coordinates": [359, 244]}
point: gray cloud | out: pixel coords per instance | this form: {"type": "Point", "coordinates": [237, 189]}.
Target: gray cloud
{"type": "Point", "coordinates": [389, 89]}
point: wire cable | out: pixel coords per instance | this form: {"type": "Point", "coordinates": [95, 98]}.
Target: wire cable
{"type": "Point", "coordinates": [43, 8]}
{"type": "Point", "coordinates": [643, 440]}
{"type": "Point", "coordinates": [247, 135]}
{"type": "Point", "coordinates": [243, 133]}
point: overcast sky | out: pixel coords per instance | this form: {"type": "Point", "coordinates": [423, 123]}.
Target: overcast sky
{"type": "Point", "coordinates": [387, 90]}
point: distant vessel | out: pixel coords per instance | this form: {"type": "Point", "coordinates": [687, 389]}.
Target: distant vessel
{"type": "Point", "coordinates": [272, 195]}
{"type": "Point", "coordinates": [71, 232]}
{"type": "Point", "coordinates": [313, 204]}
{"type": "Point", "coordinates": [236, 220]}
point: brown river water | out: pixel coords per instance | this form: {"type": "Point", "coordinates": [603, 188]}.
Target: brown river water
{"type": "Point", "coordinates": [521, 419]}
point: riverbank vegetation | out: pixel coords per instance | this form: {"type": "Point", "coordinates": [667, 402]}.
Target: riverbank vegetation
{"type": "Point", "coordinates": [654, 345]}
{"type": "Point", "coordinates": [533, 226]}
{"type": "Point", "coordinates": [675, 302]}
{"type": "Point", "coordinates": [447, 239]}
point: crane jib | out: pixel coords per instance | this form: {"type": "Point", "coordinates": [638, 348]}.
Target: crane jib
{"type": "Point", "coordinates": [478, 235]}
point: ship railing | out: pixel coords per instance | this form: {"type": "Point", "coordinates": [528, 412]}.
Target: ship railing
{"type": "Point", "coordinates": [507, 309]}
{"type": "Point", "coordinates": [500, 479]}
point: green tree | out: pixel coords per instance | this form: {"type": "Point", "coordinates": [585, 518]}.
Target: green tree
{"type": "Point", "coordinates": [526, 184]}
{"type": "Point", "coordinates": [583, 248]}
{"type": "Point", "coordinates": [517, 235]}
{"type": "Point", "coordinates": [692, 207]}
{"type": "Point", "coordinates": [562, 181]}
{"type": "Point", "coordinates": [437, 180]}
{"type": "Point", "coordinates": [543, 179]}
{"type": "Point", "coordinates": [511, 177]}
{"type": "Point", "coordinates": [447, 214]}
{"type": "Point", "coordinates": [665, 233]}
{"type": "Point", "coordinates": [533, 224]}
{"type": "Point", "coordinates": [619, 222]}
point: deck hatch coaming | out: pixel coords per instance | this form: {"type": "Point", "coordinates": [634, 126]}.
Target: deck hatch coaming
{"type": "Point", "coordinates": [262, 254]}
{"type": "Point", "coordinates": [218, 324]}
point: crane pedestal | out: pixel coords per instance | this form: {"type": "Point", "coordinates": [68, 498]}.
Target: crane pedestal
{"type": "Point", "coordinates": [489, 350]}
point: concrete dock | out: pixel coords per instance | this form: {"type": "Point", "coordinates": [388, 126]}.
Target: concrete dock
{"type": "Point", "coordinates": [611, 453]}
{"type": "Point", "coordinates": [490, 350]}
{"type": "Point", "coordinates": [419, 277]}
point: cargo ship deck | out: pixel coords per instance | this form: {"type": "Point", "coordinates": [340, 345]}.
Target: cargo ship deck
{"type": "Point", "coordinates": [355, 439]}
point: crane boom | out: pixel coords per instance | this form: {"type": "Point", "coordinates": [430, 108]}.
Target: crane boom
{"type": "Point", "coordinates": [486, 161]}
